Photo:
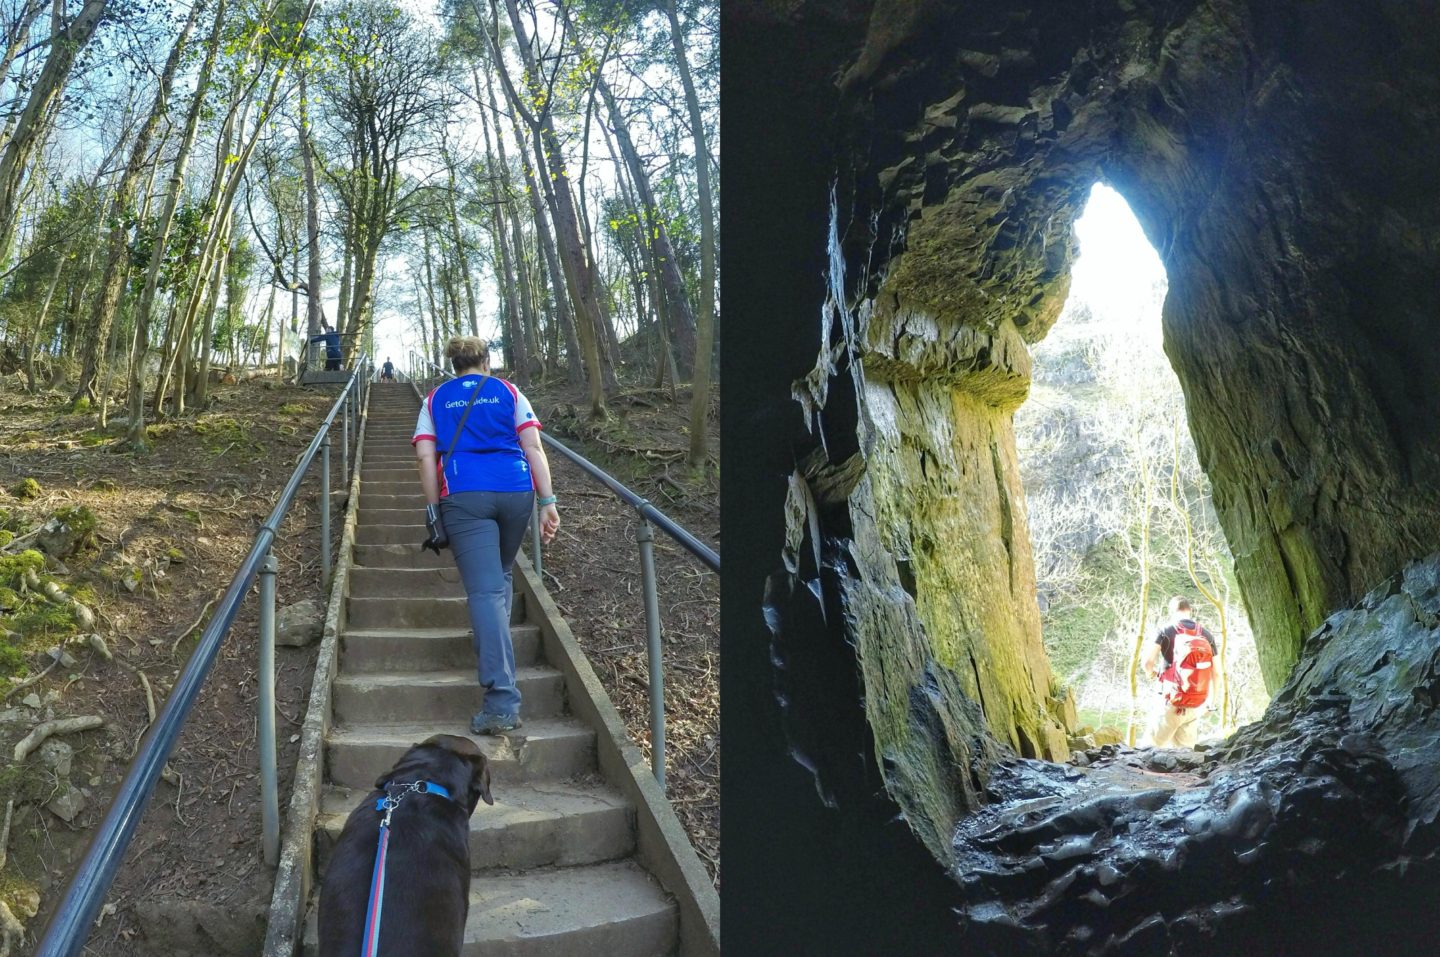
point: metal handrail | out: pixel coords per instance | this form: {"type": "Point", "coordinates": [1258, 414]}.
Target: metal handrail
{"type": "Point", "coordinates": [70, 925]}
{"type": "Point", "coordinates": [645, 538]}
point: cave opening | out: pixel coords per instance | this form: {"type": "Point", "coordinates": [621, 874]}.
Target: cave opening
{"type": "Point", "coordinates": [1119, 510]}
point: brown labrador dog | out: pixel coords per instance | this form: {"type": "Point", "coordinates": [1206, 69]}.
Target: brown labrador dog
{"type": "Point", "coordinates": [427, 870]}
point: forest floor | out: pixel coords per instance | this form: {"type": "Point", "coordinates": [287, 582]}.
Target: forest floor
{"type": "Point", "coordinates": [171, 528]}
{"type": "Point", "coordinates": [593, 572]}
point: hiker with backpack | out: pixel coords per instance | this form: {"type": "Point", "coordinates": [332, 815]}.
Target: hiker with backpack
{"type": "Point", "coordinates": [1190, 660]}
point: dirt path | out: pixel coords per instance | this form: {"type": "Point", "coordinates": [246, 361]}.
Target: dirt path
{"type": "Point", "coordinates": [175, 525]}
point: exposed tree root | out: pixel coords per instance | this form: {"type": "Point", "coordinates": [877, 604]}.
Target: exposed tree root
{"type": "Point", "coordinates": [180, 636]}
{"type": "Point", "coordinates": [46, 729]}
{"type": "Point", "coordinates": [168, 774]}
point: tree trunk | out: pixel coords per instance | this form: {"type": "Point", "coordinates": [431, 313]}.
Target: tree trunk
{"type": "Point", "coordinates": [64, 48]}
{"type": "Point", "coordinates": [682, 317]}
{"type": "Point", "coordinates": [312, 219]}
{"type": "Point", "coordinates": [578, 277]}
{"type": "Point", "coordinates": [200, 392]}
{"type": "Point", "coordinates": [519, 356]}
{"type": "Point", "coordinates": [705, 321]}
{"type": "Point", "coordinates": [574, 373]}
{"type": "Point", "coordinates": [117, 261]}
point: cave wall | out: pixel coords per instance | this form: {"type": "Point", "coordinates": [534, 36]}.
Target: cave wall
{"type": "Point", "coordinates": [1276, 155]}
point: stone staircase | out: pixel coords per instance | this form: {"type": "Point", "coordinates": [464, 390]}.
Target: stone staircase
{"type": "Point", "coordinates": [554, 868]}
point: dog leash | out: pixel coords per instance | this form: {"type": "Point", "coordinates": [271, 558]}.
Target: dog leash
{"type": "Point", "coordinates": [388, 804]}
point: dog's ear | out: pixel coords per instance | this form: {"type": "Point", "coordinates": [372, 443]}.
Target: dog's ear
{"type": "Point", "coordinates": [479, 780]}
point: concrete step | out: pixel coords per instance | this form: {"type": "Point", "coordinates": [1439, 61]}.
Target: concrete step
{"type": "Point", "coordinates": [418, 649]}
{"type": "Point", "coordinates": [615, 910]}
{"type": "Point", "coordinates": [411, 534]}
{"type": "Point", "coordinates": [540, 749]}
{"type": "Point", "coordinates": [408, 486]}
{"type": "Point", "coordinates": [393, 516]}
{"type": "Point", "coordinates": [415, 500]}
{"type": "Point", "coordinates": [401, 556]}
{"type": "Point", "coordinates": [418, 612]}
{"type": "Point", "coordinates": [389, 473]}
{"type": "Point", "coordinates": [551, 823]}
{"type": "Point", "coordinates": [442, 582]}
{"type": "Point", "coordinates": [441, 697]}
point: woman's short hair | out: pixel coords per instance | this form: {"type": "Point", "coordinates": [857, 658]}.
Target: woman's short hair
{"type": "Point", "coordinates": [467, 352]}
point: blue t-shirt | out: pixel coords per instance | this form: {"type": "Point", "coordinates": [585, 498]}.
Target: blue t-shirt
{"type": "Point", "coordinates": [487, 456]}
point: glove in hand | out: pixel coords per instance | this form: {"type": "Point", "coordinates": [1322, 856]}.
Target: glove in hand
{"type": "Point", "coordinates": [438, 539]}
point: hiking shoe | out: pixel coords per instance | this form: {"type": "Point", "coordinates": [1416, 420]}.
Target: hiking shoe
{"type": "Point", "coordinates": [486, 723]}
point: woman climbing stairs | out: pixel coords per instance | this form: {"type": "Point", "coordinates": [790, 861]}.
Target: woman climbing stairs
{"type": "Point", "coordinates": [554, 860]}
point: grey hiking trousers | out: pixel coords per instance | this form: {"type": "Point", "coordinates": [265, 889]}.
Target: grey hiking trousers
{"type": "Point", "coordinates": [485, 530]}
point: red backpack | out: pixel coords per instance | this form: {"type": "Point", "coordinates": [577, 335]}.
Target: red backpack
{"type": "Point", "coordinates": [1188, 677]}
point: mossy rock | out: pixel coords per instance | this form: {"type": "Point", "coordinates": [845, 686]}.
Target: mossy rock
{"type": "Point", "coordinates": [44, 620]}
{"type": "Point", "coordinates": [80, 519]}
{"type": "Point", "coordinates": [14, 567]}
{"type": "Point", "coordinates": [80, 405]}
{"type": "Point", "coordinates": [25, 489]}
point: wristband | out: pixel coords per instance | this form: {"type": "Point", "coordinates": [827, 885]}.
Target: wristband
{"type": "Point", "coordinates": [547, 500]}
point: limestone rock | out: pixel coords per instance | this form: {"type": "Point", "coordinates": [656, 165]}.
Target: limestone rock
{"type": "Point", "coordinates": [68, 804]}
{"type": "Point", "coordinates": [300, 624]}
{"type": "Point", "coordinates": [26, 901]}
{"type": "Point", "coordinates": [1107, 734]}
{"type": "Point", "coordinates": [57, 756]}
{"type": "Point", "coordinates": [31, 700]}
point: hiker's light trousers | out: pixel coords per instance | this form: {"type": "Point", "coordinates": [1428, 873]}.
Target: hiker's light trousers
{"type": "Point", "coordinates": [485, 530]}
{"type": "Point", "coordinates": [1177, 727]}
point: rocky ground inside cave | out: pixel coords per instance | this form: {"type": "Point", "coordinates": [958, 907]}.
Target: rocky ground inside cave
{"type": "Point", "coordinates": [1310, 831]}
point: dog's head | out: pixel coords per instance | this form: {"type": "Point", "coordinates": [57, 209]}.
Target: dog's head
{"type": "Point", "coordinates": [450, 760]}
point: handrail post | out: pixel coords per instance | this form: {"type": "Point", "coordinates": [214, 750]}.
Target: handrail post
{"type": "Point", "coordinates": [535, 541]}
{"type": "Point", "coordinates": [325, 511]}
{"type": "Point", "coordinates": [269, 787]}
{"type": "Point", "coordinates": [645, 536]}
{"type": "Point", "coordinates": [345, 444]}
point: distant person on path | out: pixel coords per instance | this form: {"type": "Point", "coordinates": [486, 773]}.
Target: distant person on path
{"type": "Point", "coordinates": [387, 371]}
{"type": "Point", "coordinates": [1190, 657]}
{"type": "Point", "coordinates": [480, 496]}
{"type": "Point", "coordinates": [332, 347]}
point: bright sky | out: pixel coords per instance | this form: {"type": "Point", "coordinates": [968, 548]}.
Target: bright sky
{"type": "Point", "coordinates": [1117, 272]}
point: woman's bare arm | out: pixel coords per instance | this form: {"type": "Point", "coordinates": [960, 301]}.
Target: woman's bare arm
{"type": "Point", "coordinates": [425, 457]}
{"type": "Point", "coordinates": [539, 464]}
